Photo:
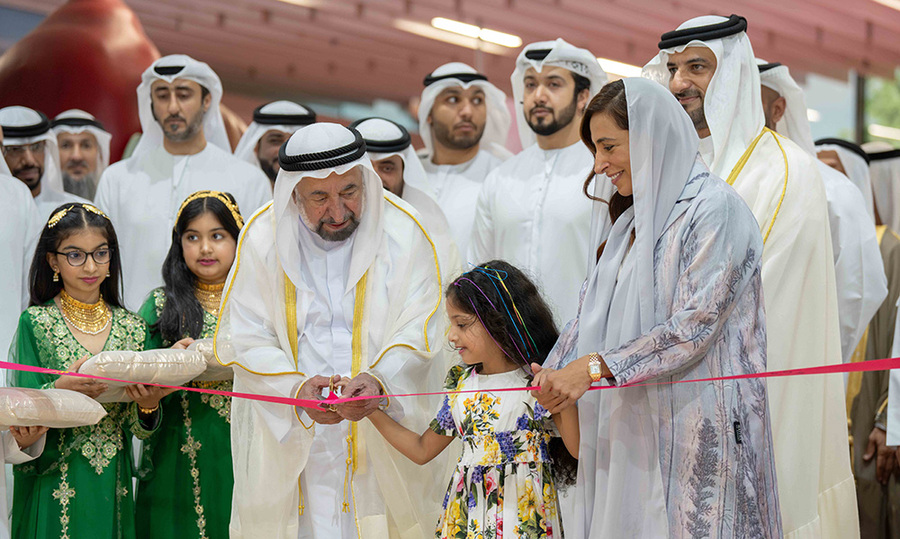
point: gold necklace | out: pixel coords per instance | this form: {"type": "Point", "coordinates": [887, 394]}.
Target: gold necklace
{"type": "Point", "coordinates": [91, 319]}
{"type": "Point", "coordinates": [209, 296]}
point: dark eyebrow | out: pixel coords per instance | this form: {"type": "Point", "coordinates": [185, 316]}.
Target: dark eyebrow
{"type": "Point", "coordinates": [105, 243]}
{"type": "Point", "coordinates": [602, 139]}
{"type": "Point", "coordinates": [195, 231]}
{"type": "Point", "coordinates": [184, 87]}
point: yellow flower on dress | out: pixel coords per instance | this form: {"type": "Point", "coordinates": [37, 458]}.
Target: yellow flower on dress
{"type": "Point", "coordinates": [451, 525]}
{"type": "Point", "coordinates": [527, 503]}
{"type": "Point", "coordinates": [550, 500]}
{"type": "Point", "coordinates": [482, 409]}
{"type": "Point", "coordinates": [474, 530]}
{"type": "Point", "coordinates": [491, 454]}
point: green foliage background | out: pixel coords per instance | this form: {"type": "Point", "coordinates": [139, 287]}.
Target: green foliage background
{"type": "Point", "coordinates": [883, 104]}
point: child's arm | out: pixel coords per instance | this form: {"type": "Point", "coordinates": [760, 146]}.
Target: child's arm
{"type": "Point", "coordinates": [419, 449]}
{"type": "Point", "coordinates": [567, 425]}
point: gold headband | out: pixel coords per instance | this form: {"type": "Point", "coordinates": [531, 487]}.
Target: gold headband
{"type": "Point", "coordinates": [218, 195]}
{"type": "Point", "coordinates": [57, 217]}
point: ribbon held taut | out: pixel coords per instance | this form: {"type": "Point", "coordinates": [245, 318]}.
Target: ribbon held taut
{"type": "Point", "coordinates": [334, 399]}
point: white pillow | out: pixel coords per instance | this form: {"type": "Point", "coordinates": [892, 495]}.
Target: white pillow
{"type": "Point", "coordinates": [54, 408]}
{"type": "Point", "coordinates": [168, 367]}
{"type": "Point", "coordinates": [215, 371]}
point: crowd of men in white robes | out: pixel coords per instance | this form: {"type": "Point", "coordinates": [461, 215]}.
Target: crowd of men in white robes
{"type": "Point", "coordinates": [824, 275]}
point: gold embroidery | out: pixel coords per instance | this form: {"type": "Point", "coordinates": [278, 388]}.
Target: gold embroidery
{"type": "Point", "coordinates": [58, 349]}
{"type": "Point", "coordinates": [190, 448]}
{"type": "Point", "coordinates": [63, 494]}
{"type": "Point", "coordinates": [104, 441]}
{"type": "Point", "coordinates": [220, 403]}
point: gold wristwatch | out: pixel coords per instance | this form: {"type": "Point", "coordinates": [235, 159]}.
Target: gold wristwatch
{"type": "Point", "coordinates": [595, 367]}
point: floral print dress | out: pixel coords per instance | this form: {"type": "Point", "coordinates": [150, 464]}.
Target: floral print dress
{"type": "Point", "coordinates": [502, 482]}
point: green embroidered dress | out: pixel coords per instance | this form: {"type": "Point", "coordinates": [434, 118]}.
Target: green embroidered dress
{"type": "Point", "coordinates": [81, 486]}
{"type": "Point", "coordinates": [185, 474]}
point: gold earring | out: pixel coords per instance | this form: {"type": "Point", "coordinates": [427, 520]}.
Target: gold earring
{"type": "Point", "coordinates": [107, 273]}
{"type": "Point", "coordinates": [55, 276]}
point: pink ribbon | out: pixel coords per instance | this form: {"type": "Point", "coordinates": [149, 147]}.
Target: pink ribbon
{"type": "Point", "coordinates": [862, 366]}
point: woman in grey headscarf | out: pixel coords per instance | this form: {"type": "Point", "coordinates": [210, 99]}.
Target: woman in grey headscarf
{"type": "Point", "coordinates": [675, 295]}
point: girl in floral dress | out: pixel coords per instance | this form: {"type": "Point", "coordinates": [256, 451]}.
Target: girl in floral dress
{"type": "Point", "coordinates": [512, 458]}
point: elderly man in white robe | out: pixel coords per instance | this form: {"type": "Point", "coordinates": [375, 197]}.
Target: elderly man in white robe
{"type": "Point", "coordinates": [335, 286]}
{"type": "Point", "coordinates": [183, 149]}
{"type": "Point", "coordinates": [531, 211]}
{"type": "Point", "coordinates": [464, 124]}
{"type": "Point", "coordinates": [31, 155]}
{"type": "Point", "coordinates": [884, 171]}
{"type": "Point", "coordinates": [83, 151]}
{"type": "Point", "coordinates": [273, 123]}
{"type": "Point", "coordinates": [709, 65]}
{"type": "Point", "coordinates": [858, 267]}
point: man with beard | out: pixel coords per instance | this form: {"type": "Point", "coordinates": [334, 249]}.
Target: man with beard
{"type": "Point", "coordinates": [183, 149]}
{"type": "Point", "coordinates": [30, 153]}
{"type": "Point", "coordinates": [531, 210]}
{"type": "Point", "coordinates": [464, 123]}
{"type": "Point", "coordinates": [335, 287]}
{"type": "Point", "coordinates": [709, 65]}
{"type": "Point", "coordinates": [83, 151]}
{"type": "Point", "coordinates": [272, 125]}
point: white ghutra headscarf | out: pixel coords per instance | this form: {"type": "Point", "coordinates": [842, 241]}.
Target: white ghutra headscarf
{"type": "Point", "coordinates": [284, 116]}
{"type": "Point", "coordinates": [169, 68]}
{"type": "Point", "coordinates": [23, 126]}
{"type": "Point", "coordinates": [496, 126]}
{"type": "Point", "coordinates": [557, 53]}
{"type": "Point", "coordinates": [732, 104]}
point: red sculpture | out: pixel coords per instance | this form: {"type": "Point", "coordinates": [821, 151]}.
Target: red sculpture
{"type": "Point", "coordinates": [88, 54]}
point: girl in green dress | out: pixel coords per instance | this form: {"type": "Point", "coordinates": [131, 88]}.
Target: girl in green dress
{"type": "Point", "coordinates": [185, 475]}
{"type": "Point", "coordinates": [81, 485]}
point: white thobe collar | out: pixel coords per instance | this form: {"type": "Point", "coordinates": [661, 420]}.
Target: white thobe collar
{"type": "Point", "coordinates": [707, 152]}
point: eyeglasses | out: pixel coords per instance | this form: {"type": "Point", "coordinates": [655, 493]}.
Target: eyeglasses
{"type": "Point", "coordinates": [19, 151]}
{"type": "Point", "coordinates": [78, 258]}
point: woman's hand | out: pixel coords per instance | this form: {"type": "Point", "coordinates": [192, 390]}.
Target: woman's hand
{"type": "Point", "coordinates": [27, 436]}
{"type": "Point", "coordinates": [91, 388]}
{"type": "Point", "coordinates": [561, 389]}
{"type": "Point", "coordinates": [148, 396]}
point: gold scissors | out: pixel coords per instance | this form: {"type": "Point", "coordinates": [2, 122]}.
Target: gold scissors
{"type": "Point", "coordinates": [331, 407]}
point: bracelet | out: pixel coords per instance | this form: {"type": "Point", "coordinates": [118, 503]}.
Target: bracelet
{"type": "Point", "coordinates": [147, 411]}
